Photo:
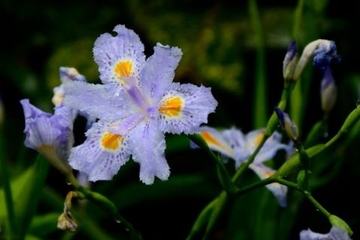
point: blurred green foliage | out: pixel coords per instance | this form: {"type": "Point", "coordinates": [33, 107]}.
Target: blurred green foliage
{"type": "Point", "coordinates": [219, 43]}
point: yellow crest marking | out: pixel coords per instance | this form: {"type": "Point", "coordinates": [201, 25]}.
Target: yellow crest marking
{"type": "Point", "coordinates": [172, 106]}
{"type": "Point", "coordinates": [111, 141]}
{"type": "Point", "coordinates": [123, 69]}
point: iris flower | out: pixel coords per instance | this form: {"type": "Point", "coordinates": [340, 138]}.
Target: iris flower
{"type": "Point", "coordinates": [136, 105]}
{"type": "Point", "coordinates": [233, 144]}
{"type": "Point", "coordinates": [335, 233]}
{"type": "Point", "coordinates": [50, 134]}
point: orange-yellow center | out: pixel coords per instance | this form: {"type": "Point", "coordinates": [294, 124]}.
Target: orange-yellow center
{"type": "Point", "coordinates": [172, 107]}
{"type": "Point", "coordinates": [111, 141]}
{"type": "Point", "coordinates": [123, 69]}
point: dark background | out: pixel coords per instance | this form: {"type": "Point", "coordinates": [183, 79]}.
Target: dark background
{"type": "Point", "coordinates": [217, 39]}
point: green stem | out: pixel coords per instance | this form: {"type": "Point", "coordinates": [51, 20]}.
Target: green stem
{"type": "Point", "coordinates": [219, 202]}
{"type": "Point", "coordinates": [223, 175]}
{"type": "Point", "coordinates": [105, 204]}
{"type": "Point", "coordinates": [202, 219]}
{"type": "Point", "coordinates": [306, 193]}
{"type": "Point", "coordinates": [7, 190]}
{"type": "Point", "coordinates": [271, 126]}
{"type": "Point", "coordinates": [254, 186]}
{"type": "Point", "coordinates": [317, 204]}
{"type": "Point", "coordinates": [243, 167]}
{"type": "Point", "coordinates": [294, 162]}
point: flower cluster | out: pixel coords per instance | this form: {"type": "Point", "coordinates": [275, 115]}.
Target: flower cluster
{"type": "Point", "coordinates": [234, 144]}
{"type": "Point", "coordinates": [132, 110]}
{"type": "Point", "coordinates": [138, 102]}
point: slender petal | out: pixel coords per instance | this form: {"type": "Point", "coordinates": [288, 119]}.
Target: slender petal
{"type": "Point", "coordinates": [160, 68]}
{"type": "Point", "coordinates": [150, 154]}
{"type": "Point", "coordinates": [279, 190]}
{"type": "Point", "coordinates": [95, 100]}
{"type": "Point", "coordinates": [216, 141]}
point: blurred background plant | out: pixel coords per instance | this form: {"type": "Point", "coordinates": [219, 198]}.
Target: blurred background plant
{"type": "Point", "coordinates": [237, 48]}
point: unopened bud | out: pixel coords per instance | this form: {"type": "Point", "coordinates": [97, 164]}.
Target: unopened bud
{"type": "Point", "coordinates": [289, 62]}
{"type": "Point", "coordinates": [338, 222]}
{"type": "Point", "coordinates": [324, 53]}
{"type": "Point", "coordinates": [287, 124]}
{"type": "Point", "coordinates": [328, 91]}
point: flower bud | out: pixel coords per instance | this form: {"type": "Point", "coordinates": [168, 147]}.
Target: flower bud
{"type": "Point", "coordinates": [338, 222]}
{"type": "Point", "coordinates": [289, 62]}
{"type": "Point", "coordinates": [66, 74]}
{"type": "Point", "coordinates": [328, 91]}
{"type": "Point", "coordinates": [324, 53]}
{"type": "Point", "coordinates": [287, 124]}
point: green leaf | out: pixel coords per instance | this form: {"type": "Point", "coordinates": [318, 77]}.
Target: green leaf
{"type": "Point", "coordinates": [26, 189]}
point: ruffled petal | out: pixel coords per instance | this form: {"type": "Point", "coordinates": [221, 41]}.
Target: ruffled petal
{"type": "Point", "coordinates": [335, 233]}
{"type": "Point", "coordinates": [148, 146]}
{"type": "Point", "coordinates": [184, 108]}
{"type": "Point", "coordinates": [120, 58]}
{"type": "Point", "coordinates": [102, 154]}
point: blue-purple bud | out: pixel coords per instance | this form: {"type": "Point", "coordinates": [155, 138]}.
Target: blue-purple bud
{"type": "Point", "coordinates": [287, 124]}
{"type": "Point", "coordinates": [328, 91]}
{"type": "Point", "coordinates": [290, 61]}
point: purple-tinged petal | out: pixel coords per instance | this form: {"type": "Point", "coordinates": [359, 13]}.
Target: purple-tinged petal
{"type": "Point", "coordinates": [102, 154]}
{"type": "Point", "coordinates": [148, 147]}
{"type": "Point", "coordinates": [271, 147]}
{"type": "Point", "coordinates": [159, 70]}
{"type": "Point", "coordinates": [94, 100]}
{"type": "Point", "coordinates": [119, 57]}
{"type": "Point", "coordinates": [50, 135]}
{"type": "Point", "coordinates": [335, 233]}
{"type": "Point", "coordinates": [184, 108]}
{"type": "Point", "coordinates": [125, 125]}
{"type": "Point", "coordinates": [236, 139]}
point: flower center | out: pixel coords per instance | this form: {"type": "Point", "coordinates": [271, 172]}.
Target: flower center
{"type": "Point", "coordinates": [123, 69]}
{"type": "Point", "coordinates": [111, 141]}
{"type": "Point", "coordinates": [172, 106]}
